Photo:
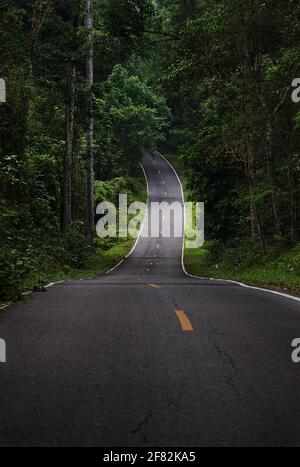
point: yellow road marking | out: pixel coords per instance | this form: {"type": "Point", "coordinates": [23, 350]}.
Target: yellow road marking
{"type": "Point", "coordinates": [185, 323]}
{"type": "Point", "coordinates": [154, 286]}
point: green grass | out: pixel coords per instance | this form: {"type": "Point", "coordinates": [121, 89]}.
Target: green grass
{"type": "Point", "coordinates": [96, 264]}
{"type": "Point", "coordinates": [280, 270]}
{"type": "Point", "coordinates": [279, 273]}
{"type": "Point", "coordinates": [109, 252]}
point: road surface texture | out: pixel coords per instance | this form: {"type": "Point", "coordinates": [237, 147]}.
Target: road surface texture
{"type": "Point", "coordinates": [147, 356]}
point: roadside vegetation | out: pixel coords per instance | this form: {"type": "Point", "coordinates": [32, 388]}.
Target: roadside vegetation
{"type": "Point", "coordinates": [229, 78]}
{"type": "Point", "coordinates": [37, 261]}
{"type": "Point", "coordinates": [278, 270]}
{"type": "Point", "coordinates": [212, 77]}
{"type": "Point", "coordinates": [54, 150]}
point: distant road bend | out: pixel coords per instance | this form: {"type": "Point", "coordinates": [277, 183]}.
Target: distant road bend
{"type": "Point", "coordinates": [147, 356]}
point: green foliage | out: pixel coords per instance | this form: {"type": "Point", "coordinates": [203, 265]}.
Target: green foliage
{"type": "Point", "coordinates": [111, 189]}
{"type": "Point", "coordinates": [132, 116]}
{"type": "Point", "coordinates": [224, 68]}
{"type": "Point", "coordinates": [228, 77]}
{"type": "Point", "coordinates": [279, 270]}
{"type": "Point", "coordinates": [40, 43]}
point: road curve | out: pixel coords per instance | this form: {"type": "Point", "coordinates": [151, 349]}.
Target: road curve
{"type": "Point", "coordinates": [147, 356]}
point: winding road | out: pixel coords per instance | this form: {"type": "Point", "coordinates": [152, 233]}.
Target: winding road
{"type": "Point", "coordinates": [148, 356]}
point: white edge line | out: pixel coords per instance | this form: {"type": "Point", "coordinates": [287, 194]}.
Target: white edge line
{"type": "Point", "coordinates": [132, 250]}
{"type": "Point", "coordinates": [241, 284]}
{"type": "Point", "coordinates": [29, 292]}
{"type": "Point", "coordinates": [25, 294]}
{"type": "Point", "coordinates": [142, 226]}
{"type": "Point", "coordinates": [51, 284]}
{"type": "Point", "coordinates": [182, 195]}
{"type": "Point", "coordinates": [115, 267]}
{"type": "Point", "coordinates": [274, 292]}
{"type": "Point", "coordinates": [141, 229]}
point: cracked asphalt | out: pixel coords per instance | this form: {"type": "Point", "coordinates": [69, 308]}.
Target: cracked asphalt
{"type": "Point", "coordinates": [106, 362]}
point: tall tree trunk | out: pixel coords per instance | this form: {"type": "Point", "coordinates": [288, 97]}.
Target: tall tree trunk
{"type": "Point", "coordinates": [293, 213]}
{"type": "Point", "coordinates": [269, 160]}
{"type": "Point", "coordinates": [68, 159]}
{"type": "Point", "coordinates": [255, 215]}
{"type": "Point", "coordinates": [20, 114]}
{"type": "Point", "coordinates": [90, 124]}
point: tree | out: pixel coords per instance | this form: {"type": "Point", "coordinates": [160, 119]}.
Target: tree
{"type": "Point", "coordinates": [90, 123]}
{"type": "Point", "coordinates": [132, 117]}
{"type": "Point", "coordinates": [228, 78]}
{"type": "Point", "coordinates": [70, 118]}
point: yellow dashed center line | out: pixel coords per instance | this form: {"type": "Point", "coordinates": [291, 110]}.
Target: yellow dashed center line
{"type": "Point", "coordinates": [154, 286]}
{"type": "Point", "coordinates": [184, 321]}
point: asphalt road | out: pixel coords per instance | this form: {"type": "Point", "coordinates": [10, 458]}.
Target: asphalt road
{"type": "Point", "coordinates": [107, 362]}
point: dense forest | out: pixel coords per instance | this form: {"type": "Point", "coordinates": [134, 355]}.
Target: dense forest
{"type": "Point", "coordinates": [92, 82]}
